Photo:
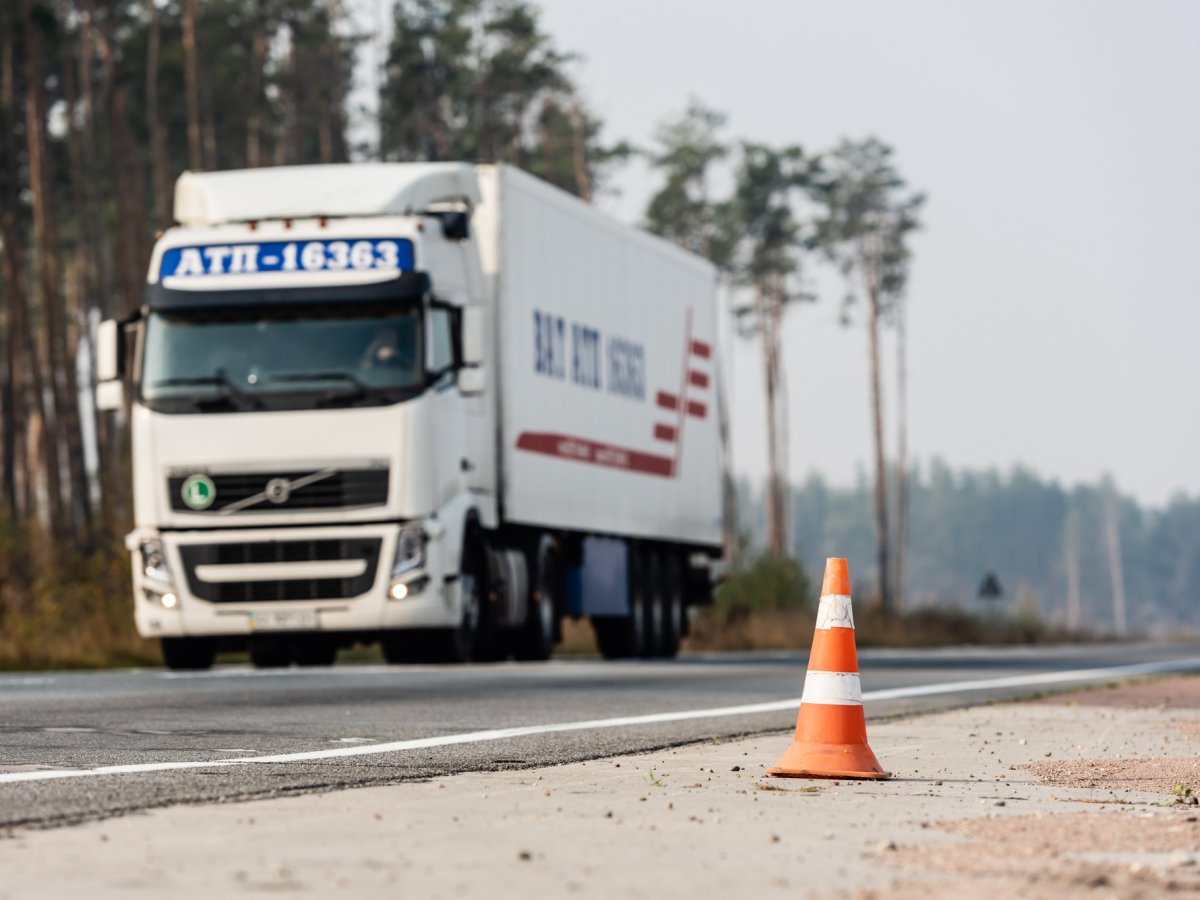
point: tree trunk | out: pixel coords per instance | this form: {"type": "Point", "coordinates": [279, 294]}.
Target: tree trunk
{"type": "Point", "coordinates": [1116, 572]}
{"type": "Point", "coordinates": [899, 582]}
{"type": "Point", "coordinates": [191, 77]}
{"type": "Point", "coordinates": [1071, 562]}
{"type": "Point", "coordinates": [583, 178]}
{"type": "Point", "coordinates": [13, 423]}
{"type": "Point", "coordinates": [62, 373]}
{"type": "Point", "coordinates": [731, 539]}
{"type": "Point", "coordinates": [255, 120]}
{"type": "Point", "coordinates": [776, 523]}
{"type": "Point", "coordinates": [156, 134]}
{"type": "Point", "coordinates": [881, 516]}
{"type": "Point", "coordinates": [98, 233]}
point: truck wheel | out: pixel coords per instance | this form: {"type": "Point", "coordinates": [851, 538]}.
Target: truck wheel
{"type": "Point", "coordinates": [620, 637]}
{"type": "Point", "coordinates": [456, 645]}
{"type": "Point", "coordinates": [270, 652]}
{"type": "Point", "coordinates": [671, 593]}
{"type": "Point", "coordinates": [315, 651]}
{"type": "Point", "coordinates": [189, 654]}
{"type": "Point", "coordinates": [652, 579]}
{"type": "Point", "coordinates": [536, 639]}
{"type": "Point", "coordinates": [400, 647]}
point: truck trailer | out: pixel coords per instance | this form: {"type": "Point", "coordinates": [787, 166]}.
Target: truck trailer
{"type": "Point", "coordinates": [437, 406]}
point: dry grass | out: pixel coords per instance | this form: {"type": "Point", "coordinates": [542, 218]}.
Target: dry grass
{"type": "Point", "coordinates": [61, 610]}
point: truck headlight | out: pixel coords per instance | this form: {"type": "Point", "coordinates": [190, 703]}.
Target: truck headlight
{"type": "Point", "coordinates": [154, 562]}
{"type": "Point", "coordinates": [410, 550]}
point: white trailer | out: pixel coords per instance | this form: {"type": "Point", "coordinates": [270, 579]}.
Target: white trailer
{"type": "Point", "coordinates": [440, 406]}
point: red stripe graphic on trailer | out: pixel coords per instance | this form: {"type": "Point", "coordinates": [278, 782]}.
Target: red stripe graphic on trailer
{"type": "Point", "coordinates": [668, 401]}
{"type": "Point", "coordinates": [664, 432]}
{"type": "Point", "coordinates": [701, 349]}
{"type": "Point", "coordinates": [594, 452]}
{"type": "Point", "coordinates": [699, 379]}
{"type": "Point", "coordinates": [697, 409]}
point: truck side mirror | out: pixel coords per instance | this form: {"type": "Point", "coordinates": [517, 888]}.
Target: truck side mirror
{"type": "Point", "coordinates": [472, 336]}
{"type": "Point", "coordinates": [110, 395]}
{"type": "Point", "coordinates": [110, 391]}
{"type": "Point", "coordinates": [471, 381]}
{"type": "Point", "coordinates": [108, 350]}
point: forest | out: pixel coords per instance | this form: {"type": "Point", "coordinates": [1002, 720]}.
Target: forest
{"type": "Point", "coordinates": [103, 103]}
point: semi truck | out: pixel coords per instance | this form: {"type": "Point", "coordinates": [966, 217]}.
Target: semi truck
{"type": "Point", "coordinates": [438, 406]}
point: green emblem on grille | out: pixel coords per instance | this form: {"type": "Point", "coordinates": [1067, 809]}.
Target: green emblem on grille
{"type": "Point", "coordinates": [198, 492]}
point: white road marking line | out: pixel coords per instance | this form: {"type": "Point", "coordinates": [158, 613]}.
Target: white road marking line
{"type": "Point", "coordinates": [500, 734]}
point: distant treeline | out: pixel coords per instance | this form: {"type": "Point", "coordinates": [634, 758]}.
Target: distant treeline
{"type": "Point", "coordinates": [1071, 553]}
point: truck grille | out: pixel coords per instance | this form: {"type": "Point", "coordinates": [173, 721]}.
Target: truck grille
{"type": "Point", "coordinates": [353, 549]}
{"type": "Point", "coordinates": [268, 492]}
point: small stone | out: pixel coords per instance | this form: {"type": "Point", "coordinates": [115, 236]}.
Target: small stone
{"type": "Point", "coordinates": [1047, 753]}
{"type": "Point", "coordinates": [736, 769]}
{"type": "Point", "coordinates": [524, 856]}
{"type": "Point", "coordinates": [887, 846]}
{"type": "Point", "coordinates": [774, 839]}
{"type": "Point", "coordinates": [608, 815]}
{"type": "Point", "coordinates": [1000, 803]}
{"type": "Point", "coordinates": [1022, 742]}
{"type": "Point", "coordinates": [938, 782]}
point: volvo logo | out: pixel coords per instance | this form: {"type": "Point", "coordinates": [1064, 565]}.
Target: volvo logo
{"type": "Point", "coordinates": [278, 490]}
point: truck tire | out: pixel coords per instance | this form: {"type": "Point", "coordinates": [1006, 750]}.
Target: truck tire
{"type": "Point", "coordinates": [536, 640]}
{"type": "Point", "coordinates": [653, 578]}
{"type": "Point", "coordinates": [622, 637]}
{"type": "Point", "coordinates": [400, 647]}
{"type": "Point", "coordinates": [270, 652]}
{"type": "Point", "coordinates": [671, 594]}
{"type": "Point", "coordinates": [315, 650]}
{"type": "Point", "coordinates": [457, 645]}
{"type": "Point", "coordinates": [189, 654]}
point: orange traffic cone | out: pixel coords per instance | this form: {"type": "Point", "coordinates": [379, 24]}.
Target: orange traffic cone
{"type": "Point", "coordinates": [831, 732]}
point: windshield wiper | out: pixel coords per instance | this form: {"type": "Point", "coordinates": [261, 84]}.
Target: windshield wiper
{"type": "Point", "coordinates": [219, 379]}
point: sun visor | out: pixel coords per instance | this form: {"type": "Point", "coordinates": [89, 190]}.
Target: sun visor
{"type": "Point", "coordinates": [407, 287]}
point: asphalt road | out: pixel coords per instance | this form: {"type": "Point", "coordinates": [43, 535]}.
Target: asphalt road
{"type": "Point", "coordinates": [195, 738]}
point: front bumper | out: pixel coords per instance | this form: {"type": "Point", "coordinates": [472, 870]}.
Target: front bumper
{"type": "Point", "coordinates": [236, 582]}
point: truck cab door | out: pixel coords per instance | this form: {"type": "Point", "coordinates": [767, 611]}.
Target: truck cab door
{"type": "Point", "coordinates": [449, 415]}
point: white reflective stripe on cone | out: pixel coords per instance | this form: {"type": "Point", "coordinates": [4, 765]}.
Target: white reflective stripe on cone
{"type": "Point", "coordinates": [838, 688]}
{"type": "Point", "coordinates": [835, 612]}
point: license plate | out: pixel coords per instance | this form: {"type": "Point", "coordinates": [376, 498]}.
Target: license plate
{"type": "Point", "coordinates": [285, 620]}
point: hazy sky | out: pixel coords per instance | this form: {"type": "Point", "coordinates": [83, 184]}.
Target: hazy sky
{"type": "Point", "coordinates": [1055, 298]}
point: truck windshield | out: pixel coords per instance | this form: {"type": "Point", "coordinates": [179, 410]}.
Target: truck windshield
{"type": "Point", "coordinates": [236, 360]}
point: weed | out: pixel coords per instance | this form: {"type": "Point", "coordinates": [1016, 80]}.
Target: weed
{"type": "Point", "coordinates": [651, 779]}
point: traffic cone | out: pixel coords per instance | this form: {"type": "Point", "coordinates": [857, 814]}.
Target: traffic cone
{"type": "Point", "coordinates": [831, 731]}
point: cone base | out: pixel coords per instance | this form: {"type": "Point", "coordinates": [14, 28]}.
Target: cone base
{"type": "Point", "coordinates": [800, 773]}
{"type": "Point", "coordinates": [810, 760]}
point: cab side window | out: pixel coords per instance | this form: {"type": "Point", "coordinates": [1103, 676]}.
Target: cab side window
{"type": "Point", "coordinates": [440, 360]}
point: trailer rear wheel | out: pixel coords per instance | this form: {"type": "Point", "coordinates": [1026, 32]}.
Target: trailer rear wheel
{"type": "Point", "coordinates": [655, 600]}
{"type": "Point", "coordinates": [620, 637]}
{"type": "Point", "coordinates": [671, 595]}
{"type": "Point", "coordinates": [189, 654]}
